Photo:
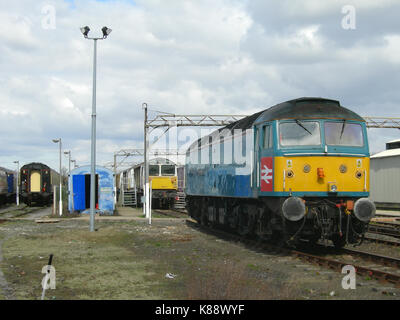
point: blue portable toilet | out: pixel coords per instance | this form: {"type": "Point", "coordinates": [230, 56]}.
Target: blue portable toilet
{"type": "Point", "coordinates": [79, 190]}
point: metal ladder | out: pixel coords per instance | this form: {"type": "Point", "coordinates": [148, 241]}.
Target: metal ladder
{"type": "Point", "coordinates": [180, 203]}
{"type": "Point", "coordinates": [129, 197]}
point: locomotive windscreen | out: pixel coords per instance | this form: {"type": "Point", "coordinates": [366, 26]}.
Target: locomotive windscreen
{"type": "Point", "coordinates": [299, 133]}
{"type": "Point", "coordinates": [344, 134]}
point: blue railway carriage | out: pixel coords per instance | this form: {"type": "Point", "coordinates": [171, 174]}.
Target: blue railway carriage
{"type": "Point", "coordinates": [296, 171]}
{"type": "Point", "coordinates": [7, 186]}
{"type": "Point", "coordinates": [3, 187]}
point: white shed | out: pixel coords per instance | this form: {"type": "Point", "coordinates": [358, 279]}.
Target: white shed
{"type": "Point", "coordinates": [385, 176]}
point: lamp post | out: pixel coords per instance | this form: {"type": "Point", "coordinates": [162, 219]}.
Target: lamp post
{"type": "Point", "coordinates": [146, 205]}
{"type": "Point", "coordinates": [85, 31]}
{"type": "Point", "coordinates": [59, 141]}
{"type": "Point", "coordinates": [74, 161]}
{"type": "Point", "coordinates": [69, 160]}
{"type": "Point", "coordinates": [17, 162]}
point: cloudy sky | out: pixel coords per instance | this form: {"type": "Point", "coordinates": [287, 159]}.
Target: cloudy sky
{"type": "Point", "coordinates": [188, 57]}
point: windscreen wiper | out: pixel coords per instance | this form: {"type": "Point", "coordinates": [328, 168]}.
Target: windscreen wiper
{"type": "Point", "coordinates": [341, 132]}
{"type": "Point", "coordinates": [299, 123]}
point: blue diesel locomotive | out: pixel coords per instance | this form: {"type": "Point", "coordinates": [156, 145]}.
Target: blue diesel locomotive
{"type": "Point", "coordinates": [298, 170]}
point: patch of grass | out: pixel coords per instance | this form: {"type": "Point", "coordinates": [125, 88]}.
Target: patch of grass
{"type": "Point", "coordinates": [230, 280]}
{"type": "Point", "coordinates": [88, 265]}
{"type": "Point", "coordinates": [130, 260]}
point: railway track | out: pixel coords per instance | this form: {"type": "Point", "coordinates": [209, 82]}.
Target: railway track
{"type": "Point", "coordinates": [337, 262]}
{"type": "Point", "coordinates": [385, 229]}
{"type": "Point", "coordinates": [172, 213]}
{"type": "Point", "coordinates": [385, 260]}
{"type": "Point", "coordinates": [15, 212]}
{"type": "Point", "coordinates": [382, 241]}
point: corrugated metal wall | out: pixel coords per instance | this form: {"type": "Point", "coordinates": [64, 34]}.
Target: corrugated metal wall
{"type": "Point", "coordinates": [385, 179]}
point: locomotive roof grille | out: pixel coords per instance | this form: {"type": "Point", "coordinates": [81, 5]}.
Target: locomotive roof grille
{"type": "Point", "coordinates": [308, 108]}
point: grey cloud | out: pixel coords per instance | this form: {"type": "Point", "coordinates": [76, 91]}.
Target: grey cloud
{"type": "Point", "coordinates": [184, 57]}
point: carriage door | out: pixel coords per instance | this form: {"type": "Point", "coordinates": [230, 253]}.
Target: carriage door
{"type": "Point", "coordinates": [87, 190]}
{"type": "Point", "coordinates": [10, 183]}
{"type": "Point", "coordinates": [35, 181]}
{"type": "Point", "coordinates": [266, 159]}
{"type": "Point", "coordinates": [78, 184]}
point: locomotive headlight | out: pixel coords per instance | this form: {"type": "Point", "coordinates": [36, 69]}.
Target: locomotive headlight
{"type": "Point", "coordinates": [293, 209]}
{"type": "Point", "coordinates": [332, 187]}
{"type": "Point", "coordinates": [364, 209]}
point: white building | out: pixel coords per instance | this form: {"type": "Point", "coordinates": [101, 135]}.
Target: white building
{"type": "Point", "coordinates": [385, 176]}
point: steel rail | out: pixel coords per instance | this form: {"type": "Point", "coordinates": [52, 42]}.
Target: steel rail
{"type": "Point", "coordinates": [168, 212]}
{"type": "Point", "coordinates": [387, 261]}
{"type": "Point", "coordinates": [23, 211]}
{"type": "Point", "coordinates": [383, 241]}
{"type": "Point", "coordinates": [384, 230]}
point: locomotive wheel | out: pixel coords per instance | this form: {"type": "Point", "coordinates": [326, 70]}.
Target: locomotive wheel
{"type": "Point", "coordinates": [339, 242]}
{"type": "Point", "coordinates": [244, 224]}
{"type": "Point", "coordinates": [203, 214]}
{"type": "Point", "coordinates": [313, 241]}
{"type": "Point", "coordinates": [204, 219]}
{"type": "Point", "coordinates": [263, 227]}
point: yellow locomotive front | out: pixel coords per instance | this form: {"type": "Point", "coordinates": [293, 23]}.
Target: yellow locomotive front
{"type": "Point", "coordinates": [163, 179]}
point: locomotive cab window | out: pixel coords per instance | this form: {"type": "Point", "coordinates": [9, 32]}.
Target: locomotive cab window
{"type": "Point", "coordinates": [344, 134]}
{"type": "Point", "coordinates": [154, 170]}
{"type": "Point", "coordinates": [168, 170]}
{"type": "Point", "coordinates": [299, 133]}
{"type": "Point", "coordinates": [267, 137]}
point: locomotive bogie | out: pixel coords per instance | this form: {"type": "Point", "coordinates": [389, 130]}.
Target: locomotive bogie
{"type": "Point", "coordinates": [266, 218]}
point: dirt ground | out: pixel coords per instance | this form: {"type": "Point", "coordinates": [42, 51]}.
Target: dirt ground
{"type": "Point", "coordinates": [169, 259]}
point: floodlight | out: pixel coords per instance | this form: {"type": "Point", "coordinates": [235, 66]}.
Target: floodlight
{"type": "Point", "coordinates": [85, 31]}
{"type": "Point", "coordinates": [106, 31]}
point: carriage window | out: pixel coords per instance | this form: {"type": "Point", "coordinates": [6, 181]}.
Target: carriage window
{"type": "Point", "coordinates": [344, 134]}
{"type": "Point", "coordinates": [154, 170]}
{"type": "Point", "coordinates": [299, 133]}
{"type": "Point", "coordinates": [168, 170]}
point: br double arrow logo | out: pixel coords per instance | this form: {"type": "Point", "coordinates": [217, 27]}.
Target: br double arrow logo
{"type": "Point", "coordinates": [266, 174]}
